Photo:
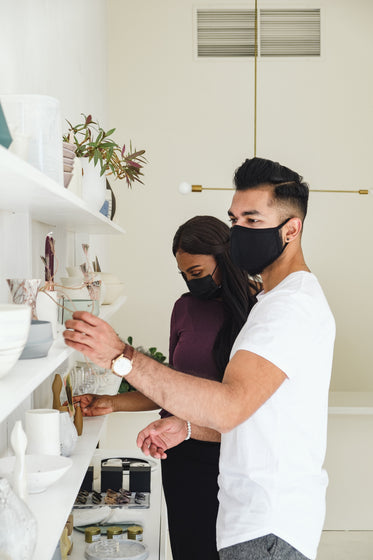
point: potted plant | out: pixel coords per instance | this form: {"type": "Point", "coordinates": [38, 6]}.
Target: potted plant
{"type": "Point", "coordinates": [96, 146]}
{"type": "Point", "coordinates": [152, 352]}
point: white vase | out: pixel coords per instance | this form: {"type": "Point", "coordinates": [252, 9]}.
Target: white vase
{"type": "Point", "coordinates": [93, 186]}
{"type": "Point", "coordinates": [47, 308]}
{"type": "Point", "coordinates": [68, 434]}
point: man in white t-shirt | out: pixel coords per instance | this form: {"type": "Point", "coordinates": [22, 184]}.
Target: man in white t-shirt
{"type": "Point", "coordinates": [271, 407]}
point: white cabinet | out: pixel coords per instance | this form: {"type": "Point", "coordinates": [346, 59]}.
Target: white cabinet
{"type": "Point", "coordinates": [28, 197]}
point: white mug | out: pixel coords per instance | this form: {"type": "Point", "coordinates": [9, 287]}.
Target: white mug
{"type": "Point", "coordinates": [42, 426]}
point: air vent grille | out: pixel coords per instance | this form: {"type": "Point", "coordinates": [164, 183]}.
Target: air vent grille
{"type": "Point", "coordinates": [281, 32]}
{"type": "Point", "coordinates": [225, 33]}
{"type": "Point", "coordinates": [290, 32]}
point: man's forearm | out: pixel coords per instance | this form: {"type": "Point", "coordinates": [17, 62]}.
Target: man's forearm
{"type": "Point", "coordinates": [191, 398]}
{"type": "Point", "coordinates": [204, 434]}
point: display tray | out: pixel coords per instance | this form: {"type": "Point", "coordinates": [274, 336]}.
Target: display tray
{"type": "Point", "coordinates": [122, 498]}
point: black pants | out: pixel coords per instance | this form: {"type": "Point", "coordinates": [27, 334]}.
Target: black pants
{"type": "Point", "coordinates": [189, 476]}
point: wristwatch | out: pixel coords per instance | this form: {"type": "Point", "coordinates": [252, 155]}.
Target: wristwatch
{"type": "Point", "coordinates": [122, 365]}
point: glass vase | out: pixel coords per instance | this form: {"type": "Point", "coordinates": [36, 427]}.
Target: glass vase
{"type": "Point", "coordinates": [18, 528]}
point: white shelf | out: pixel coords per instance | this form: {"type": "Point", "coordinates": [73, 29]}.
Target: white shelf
{"type": "Point", "coordinates": [351, 403]}
{"type": "Point", "coordinates": [26, 189]}
{"type": "Point", "coordinates": [53, 506]}
{"type": "Point", "coordinates": [27, 375]}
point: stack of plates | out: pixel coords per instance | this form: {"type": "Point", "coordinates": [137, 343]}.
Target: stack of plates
{"type": "Point", "coordinates": [68, 162]}
{"type": "Point", "coordinates": [14, 328]}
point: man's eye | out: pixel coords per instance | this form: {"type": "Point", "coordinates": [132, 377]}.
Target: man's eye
{"type": "Point", "coordinates": [233, 220]}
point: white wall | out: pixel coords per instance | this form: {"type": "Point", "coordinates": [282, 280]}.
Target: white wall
{"type": "Point", "coordinates": [195, 119]}
{"type": "Point", "coordinates": [56, 48]}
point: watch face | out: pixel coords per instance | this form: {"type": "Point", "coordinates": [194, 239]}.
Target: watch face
{"type": "Point", "coordinates": [122, 366]}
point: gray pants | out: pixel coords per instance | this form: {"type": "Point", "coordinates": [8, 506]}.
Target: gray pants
{"type": "Point", "coordinates": [269, 547]}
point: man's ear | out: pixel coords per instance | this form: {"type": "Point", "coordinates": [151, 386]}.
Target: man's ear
{"type": "Point", "coordinates": [292, 229]}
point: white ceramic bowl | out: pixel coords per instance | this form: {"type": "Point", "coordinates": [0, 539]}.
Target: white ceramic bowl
{"type": "Point", "coordinates": [15, 321]}
{"type": "Point", "coordinates": [72, 281]}
{"type": "Point", "coordinates": [74, 271]}
{"type": "Point", "coordinates": [41, 470]}
{"type": "Point", "coordinates": [112, 292]}
{"type": "Point", "coordinates": [39, 340]}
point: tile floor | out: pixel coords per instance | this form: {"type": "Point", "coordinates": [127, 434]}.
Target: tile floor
{"type": "Point", "coordinates": [346, 545]}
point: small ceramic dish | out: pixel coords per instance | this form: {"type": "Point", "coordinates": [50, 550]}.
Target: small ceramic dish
{"type": "Point", "coordinates": [41, 470]}
{"type": "Point", "coordinates": [119, 549]}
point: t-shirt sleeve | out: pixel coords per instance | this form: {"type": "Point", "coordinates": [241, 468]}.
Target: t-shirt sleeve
{"type": "Point", "coordinates": [278, 330]}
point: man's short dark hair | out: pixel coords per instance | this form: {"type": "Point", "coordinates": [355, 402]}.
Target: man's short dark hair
{"type": "Point", "coordinates": [289, 189]}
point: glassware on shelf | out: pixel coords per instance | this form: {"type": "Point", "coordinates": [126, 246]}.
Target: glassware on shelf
{"type": "Point", "coordinates": [18, 532]}
{"type": "Point", "coordinates": [84, 379]}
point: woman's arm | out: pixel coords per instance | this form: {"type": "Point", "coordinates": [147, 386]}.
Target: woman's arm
{"type": "Point", "coordinates": [98, 405]}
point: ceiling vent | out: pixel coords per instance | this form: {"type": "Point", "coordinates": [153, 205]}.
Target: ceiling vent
{"type": "Point", "coordinates": [223, 32]}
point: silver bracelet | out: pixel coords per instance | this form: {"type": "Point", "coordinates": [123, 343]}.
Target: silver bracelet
{"type": "Point", "coordinates": [189, 430]}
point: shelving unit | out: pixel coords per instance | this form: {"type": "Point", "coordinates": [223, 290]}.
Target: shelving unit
{"type": "Point", "coordinates": [26, 189]}
{"type": "Point", "coordinates": [27, 375]}
{"type": "Point", "coordinates": [52, 507]}
{"type": "Point", "coordinates": [30, 196]}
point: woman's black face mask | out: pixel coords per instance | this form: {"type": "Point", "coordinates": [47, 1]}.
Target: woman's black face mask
{"type": "Point", "coordinates": [203, 288]}
{"type": "Point", "coordinates": [255, 249]}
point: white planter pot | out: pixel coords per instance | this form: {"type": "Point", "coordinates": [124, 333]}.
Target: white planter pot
{"type": "Point", "coordinates": [93, 186]}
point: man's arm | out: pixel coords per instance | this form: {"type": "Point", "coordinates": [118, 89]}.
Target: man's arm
{"type": "Point", "coordinates": [163, 434]}
{"type": "Point", "coordinates": [249, 379]}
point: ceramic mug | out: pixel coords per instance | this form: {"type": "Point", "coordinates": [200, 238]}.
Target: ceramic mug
{"type": "Point", "coordinates": [42, 426]}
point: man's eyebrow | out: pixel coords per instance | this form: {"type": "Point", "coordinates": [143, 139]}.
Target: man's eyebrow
{"type": "Point", "coordinates": [246, 213]}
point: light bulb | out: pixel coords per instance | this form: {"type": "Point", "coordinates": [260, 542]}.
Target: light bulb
{"type": "Point", "coordinates": [185, 188]}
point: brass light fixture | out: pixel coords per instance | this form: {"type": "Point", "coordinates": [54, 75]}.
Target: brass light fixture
{"type": "Point", "coordinates": [186, 188]}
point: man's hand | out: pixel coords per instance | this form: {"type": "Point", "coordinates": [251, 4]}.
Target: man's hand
{"type": "Point", "coordinates": [93, 337]}
{"type": "Point", "coordinates": [161, 435]}
{"type": "Point", "coordinates": [95, 405]}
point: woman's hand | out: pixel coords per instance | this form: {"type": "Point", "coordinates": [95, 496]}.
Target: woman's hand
{"type": "Point", "coordinates": [95, 405]}
{"type": "Point", "coordinates": [161, 435]}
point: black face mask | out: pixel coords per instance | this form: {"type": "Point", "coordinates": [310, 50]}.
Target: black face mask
{"type": "Point", "coordinates": [203, 288]}
{"type": "Point", "coordinates": [255, 249]}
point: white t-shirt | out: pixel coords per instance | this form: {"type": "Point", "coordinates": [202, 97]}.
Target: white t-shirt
{"type": "Point", "coordinates": [271, 477]}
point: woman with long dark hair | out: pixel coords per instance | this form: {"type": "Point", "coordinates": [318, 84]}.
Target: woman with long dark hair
{"type": "Point", "coordinates": [204, 324]}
